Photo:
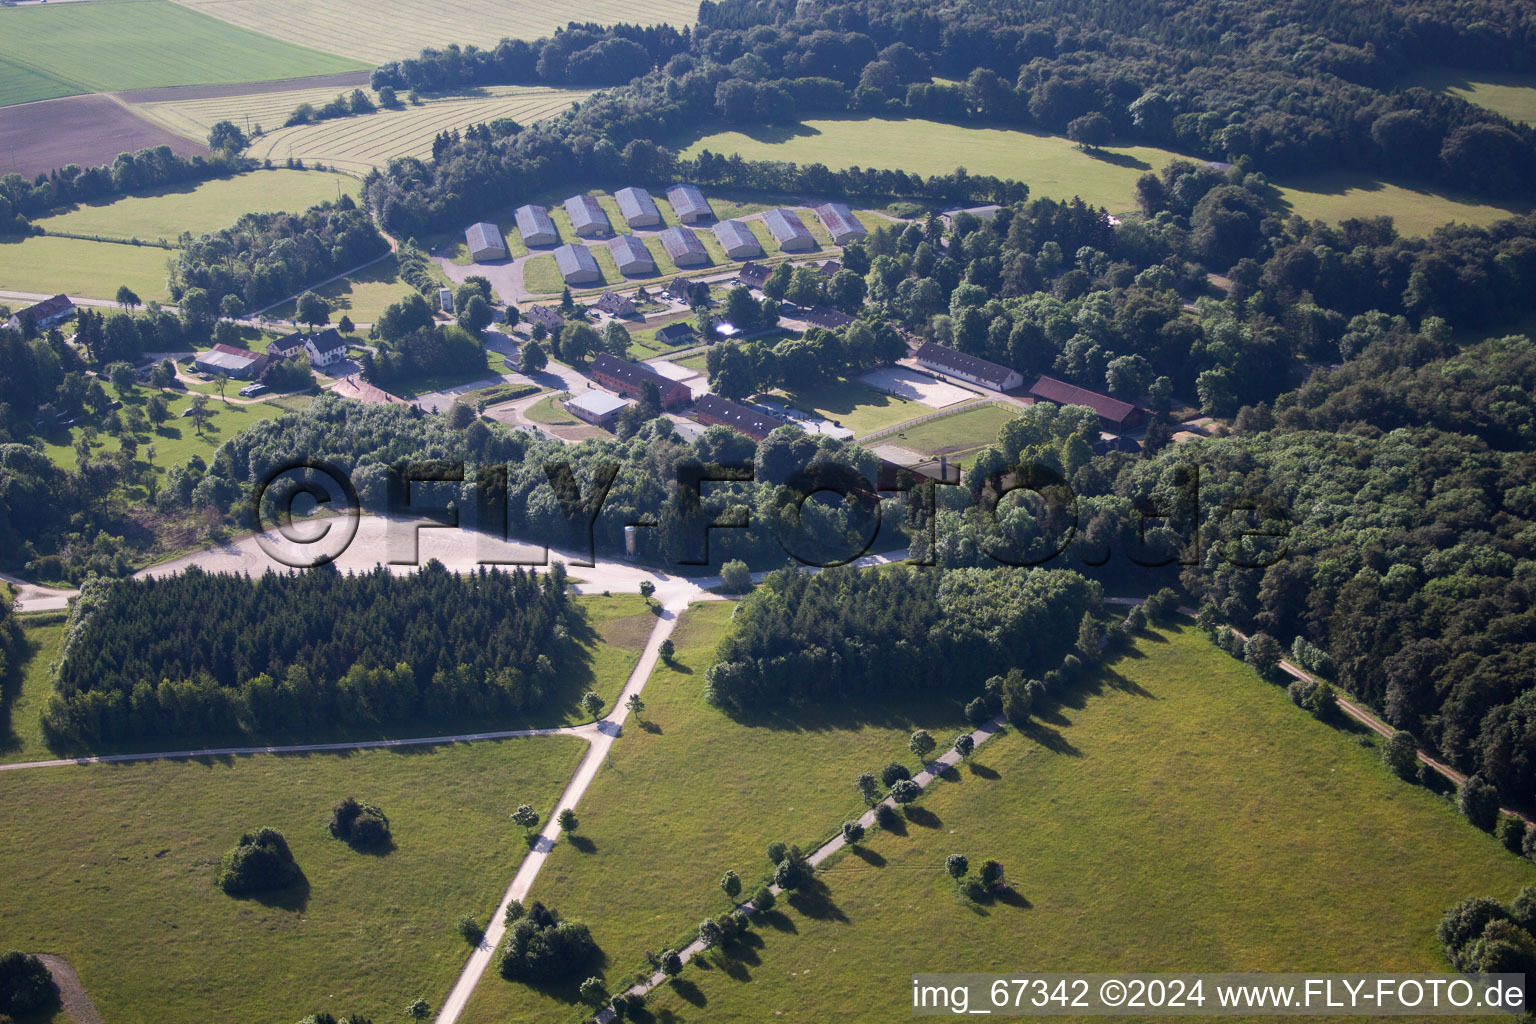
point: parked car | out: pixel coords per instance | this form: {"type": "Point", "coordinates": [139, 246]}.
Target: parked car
{"type": "Point", "coordinates": [252, 390]}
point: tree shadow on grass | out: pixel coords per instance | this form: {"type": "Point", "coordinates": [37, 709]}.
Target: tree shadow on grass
{"type": "Point", "coordinates": [948, 773]}
{"type": "Point", "coordinates": [777, 920]}
{"type": "Point", "coordinates": [293, 898]}
{"type": "Point", "coordinates": [383, 849]}
{"type": "Point", "coordinates": [868, 856]}
{"type": "Point", "coordinates": [1012, 898]}
{"type": "Point", "coordinates": [981, 771]}
{"type": "Point", "coordinates": [688, 991]}
{"type": "Point", "coordinates": [1109, 156]}
{"type": "Point", "coordinates": [581, 843]}
{"type": "Point", "coordinates": [650, 727]}
{"type": "Point", "coordinates": [1115, 681]}
{"type": "Point", "coordinates": [814, 900]}
{"type": "Point", "coordinates": [1050, 739]}
{"type": "Point", "coordinates": [922, 817]}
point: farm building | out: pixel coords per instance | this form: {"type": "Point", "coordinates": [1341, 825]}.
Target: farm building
{"type": "Point", "coordinates": [550, 318]}
{"type": "Point", "coordinates": [231, 362]}
{"type": "Point", "coordinates": [829, 269]}
{"type": "Point", "coordinates": [824, 316]}
{"type": "Point", "coordinates": [631, 255]}
{"type": "Point", "coordinates": [587, 216]}
{"type": "Point", "coordinates": [638, 208]}
{"type": "Point", "coordinates": [629, 379]}
{"type": "Point", "coordinates": [841, 223]}
{"type": "Point", "coordinates": [598, 408]}
{"type": "Point", "coordinates": [1113, 413]}
{"type": "Point", "coordinates": [577, 265]}
{"type": "Point", "coordinates": [286, 347]}
{"type": "Point", "coordinates": [684, 247]}
{"type": "Point", "coordinates": [714, 411]}
{"type": "Point", "coordinates": [788, 231]}
{"type": "Point", "coordinates": [979, 212]}
{"type": "Point", "coordinates": [753, 275]}
{"type": "Point", "coordinates": [675, 334]}
{"type": "Point", "coordinates": [535, 227]}
{"type": "Point", "coordinates": [45, 314]}
{"type": "Point", "coordinates": [615, 304]}
{"type": "Point", "coordinates": [445, 300]}
{"type": "Point", "coordinates": [485, 242]}
{"type": "Point", "coordinates": [737, 240]}
{"type": "Point", "coordinates": [689, 204]}
{"type": "Point", "coordinates": [326, 347]}
{"type": "Point", "coordinates": [968, 367]}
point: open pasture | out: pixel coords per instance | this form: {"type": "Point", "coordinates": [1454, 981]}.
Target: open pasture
{"type": "Point", "coordinates": [1509, 93]}
{"type": "Point", "coordinates": [391, 29]}
{"type": "Point", "coordinates": [1175, 814]}
{"type": "Point", "coordinates": [72, 48]}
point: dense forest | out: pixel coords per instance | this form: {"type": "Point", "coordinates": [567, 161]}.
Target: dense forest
{"type": "Point", "coordinates": [300, 650]}
{"type": "Point", "coordinates": [846, 633]}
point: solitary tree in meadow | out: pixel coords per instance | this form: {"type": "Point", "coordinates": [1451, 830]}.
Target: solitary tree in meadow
{"type": "Point", "coordinates": [730, 884]}
{"type": "Point", "coordinates": [956, 865]}
{"type": "Point", "coordinates": [635, 705]}
{"type": "Point", "coordinates": [526, 816]}
{"type": "Point", "coordinates": [592, 703]}
{"type": "Point", "coordinates": [568, 821]}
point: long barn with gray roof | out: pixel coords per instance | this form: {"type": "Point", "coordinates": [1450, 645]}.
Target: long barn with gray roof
{"type": "Point", "coordinates": [485, 242]}
{"type": "Point", "coordinates": [788, 231]}
{"type": "Point", "coordinates": [631, 255]}
{"type": "Point", "coordinates": [737, 240]}
{"type": "Point", "coordinates": [684, 247]}
{"type": "Point", "coordinates": [535, 227]}
{"type": "Point", "coordinates": [841, 223]}
{"type": "Point", "coordinates": [638, 208]}
{"type": "Point", "coordinates": [577, 265]}
{"type": "Point", "coordinates": [587, 216]}
{"type": "Point", "coordinates": [689, 204]}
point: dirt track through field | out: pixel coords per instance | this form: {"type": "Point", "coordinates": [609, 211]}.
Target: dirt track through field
{"type": "Point", "coordinates": [171, 93]}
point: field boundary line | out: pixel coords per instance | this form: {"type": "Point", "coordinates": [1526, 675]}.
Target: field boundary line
{"type": "Point", "coordinates": [971, 405]}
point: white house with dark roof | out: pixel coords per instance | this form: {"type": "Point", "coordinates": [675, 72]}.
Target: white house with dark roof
{"type": "Point", "coordinates": [840, 222]}
{"type": "Point", "coordinates": [485, 242]}
{"type": "Point", "coordinates": [325, 348]}
{"type": "Point", "coordinates": [577, 265]}
{"type": "Point", "coordinates": [638, 208]}
{"type": "Point", "coordinates": [737, 240]}
{"type": "Point", "coordinates": [968, 367]}
{"type": "Point", "coordinates": [588, 217]}
{"type": "Point", "coordinates": [788, 231]}
{"type": "Point", "coordinates": [535, 227]}
{"type": "Point", "coordinates": [684, 247]}
{"type": "Point", "coordinates": [631, 256]}
{"type": "Point", "coordinates": [689, 204]}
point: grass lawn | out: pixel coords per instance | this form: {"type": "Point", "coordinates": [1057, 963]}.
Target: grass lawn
{"type": "Point", "coordinates": [376, 32]}
{"type": "Point", "coordinates": [112, 868]}
{"type": "Point", "coordinates": [364, 295]}
{"type": "Point", "coordinates": [65, 49]}
{"type": "Point", "coordinates": [688, 793]}
{"type": "Point", "coordinates": [166, 213]}
{"type": "Point", "coordinates": [27, 688]}
{"type": "Point", "coordinates": [1508, 93]}
{"type": "Point", "coordinates": [853, 405]}
{"type": "Point", "coordinates": [551, 413]}
{"type": "Point", "coordinates": [1179, 815]}
{"type": "Point", "coordinates": [1416, 209]}
{"type": "Point", "coordinates": [1052, 166]}
{"type": "Point", "coordinates": [699, 361]}
{"type": "Point", "coordinates": [960, 434]}
{"type": "Point", "coordinates": [39, 263]}
{"type": "Point", "coordinates": [541, 276]}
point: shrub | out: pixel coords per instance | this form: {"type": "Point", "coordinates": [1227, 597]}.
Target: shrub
{"type": "Point", "coordinates": [853, 833]}
{"type": "Point", "coordinates": [1522, 909]}
{"type": "Point", "coordinates": [991, 872]}
{"type": "Point", "coordinates": [735, 577]}
{"type": "Point", "coordinates": [730, 884]}
{"type": "Point", "coordinates": [777, 852]}
{"type": "Point", "coordinates": [671, 963]}
{"type": "Point", "coordinates": [710, 933]}
{"type": "Point", "coordinates": [763, 900]}
{"type": "Point", "coordinates": [627, 1005]}
{"type": "Point", "coordinates": [1071, 666]}
{"type": "Point", "coordinates": [905, 791]}
{"type": "Point", "coordinates": [1528, 844]}
{"type": "Point", "coordinates": [893, 773]}
{"type": "Point", "coordinates": [1300, 691]}
{"type": "Point", "coordinates": [1479, 802]}
{"type": "Point", "coordinates": [791, 873]}
{"type": "Point", "coordinates": [1323, 702]}
{"type": "Point", "coordinates": [594, 993]}
{"type": "Point", "coordinates": [469, 929]}
{"type": "Point", "coordinates": [867, 788]}
{"type": "Point", "coordinates": [885, 817]}
{"type": "Point", "coordinates": [541, 948]}
{"type": "Point", "coordinates": [1162, 605]}
{"type": "Point", "coordinates": [1511, 832]}
{"type": "Point", "coordinates": [992, 691]}
{"type": "Point", "coordinates": [515, 911]}
{"type": "Point", "coordinates": [363, 826]}
{"type": "Point", "coordinates": [1262, 651]}
{"type": "Point", "coordinates": [973, 890]}
{"type": "Point", "coordinates": [568, 821]}
{"type": "Point", "coordinates": [1400, 753]}
{"type": "Point", "coordinates": [1465, 922]}
{"type": "Point", "coordinates": [976, 712]}
{"type": "Point", "coordinates": [964, 745]}
{"type": "Point", "coordinates": [25, 984]}
{"type": "Point", "coordinates": [1136, 621]}
{"type": "Point", "coordinates": [260, 862]}
{"type": "Point", "coordinates": [956, 865]}
{"type": "Point", "coordinates": [1503, 948]}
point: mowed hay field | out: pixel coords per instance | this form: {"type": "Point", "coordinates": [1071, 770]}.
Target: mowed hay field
{"type": "Point", "coordinates": [688, 793]}
{"type": "Point", "coordinates": [71, 48]}
{"type": "Point", "coordinates": [112, 867]}
{"type": "Point", "coordinates": [1178, 815]}
{"type": "Point", "coordinates": [1054, 167]}
{"type": "Point", "coordinates": [211, 205]}
{"type": "Point", "coordinates": [359, 144]}
{"type": "Point", "coordinates": [389, 29]}
{"type": "Point", "coordinates": [1507, 93]}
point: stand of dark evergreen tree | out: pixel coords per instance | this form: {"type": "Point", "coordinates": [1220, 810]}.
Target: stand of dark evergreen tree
{"type": "Point", "coordinates": [210, 653]}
